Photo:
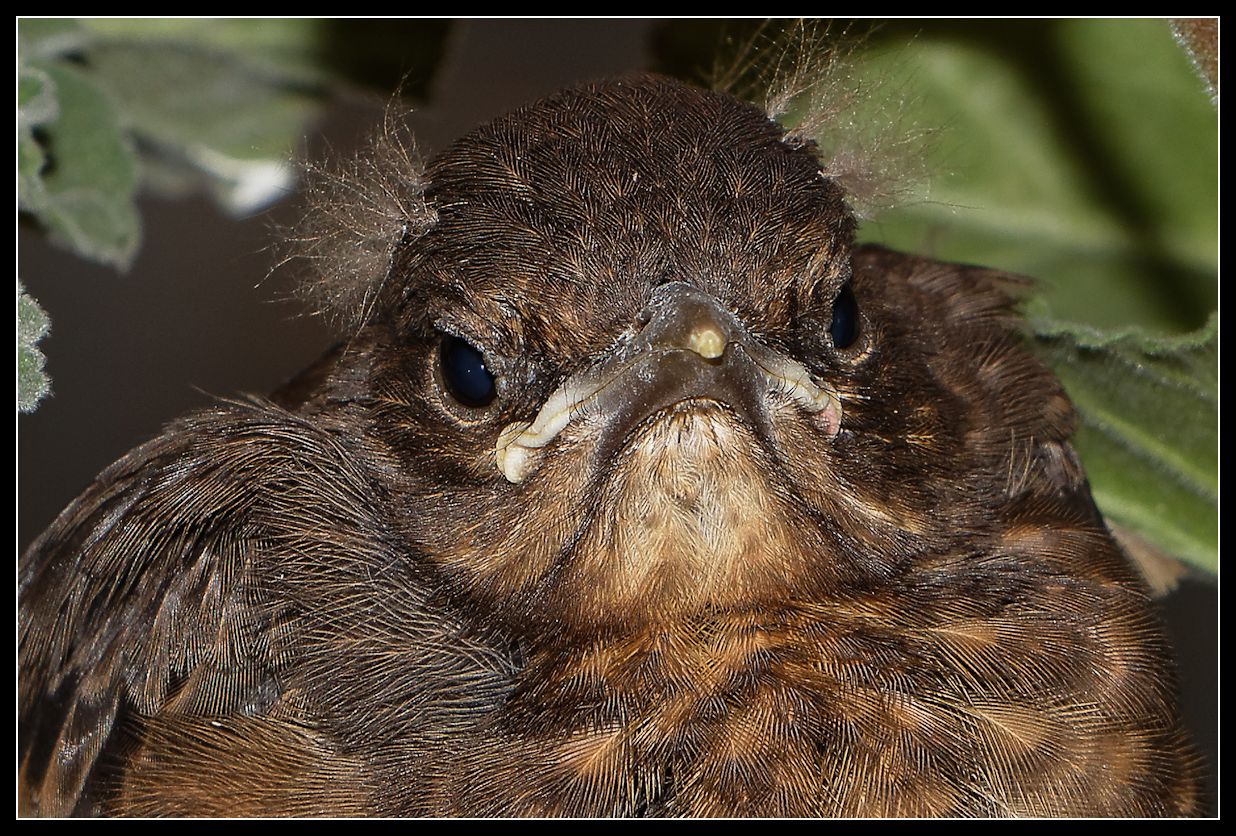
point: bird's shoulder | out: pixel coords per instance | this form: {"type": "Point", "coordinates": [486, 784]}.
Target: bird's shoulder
{"type": "Point", "coordinates": [204, 612]}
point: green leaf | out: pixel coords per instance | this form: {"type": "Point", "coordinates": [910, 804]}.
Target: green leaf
{"type": "Point", "coordinates": [219, 103]}
{"type": "Point", "coordinates": [31, 196]}
{"type": "Point", "coordinates": [36, 97]}
{"type": "Point", "coordinates": [1083, 153]}
{"type": "Point", "coordinates": [36, 105]}
{"type": "Point", "coordinates": [1157, 132]}
{"type": "Point", "coordinates": [1149, 437]}
{"type": "Point", "coordinates": [206, 110]}
{"type": "Point", "coordinates": [32, 384]}
{"type": "Point", "coordinates": [384, 55]}
{"type": "Point", "coordinates": [280, 49]}
{"type": "Point", "coordinates": [232, 98]}
{"type": "Point", "coordinates": [49, 37]}
{"type": "Point", "coordinates": [84, 191]}
{"type": "Point", "coordinates": [201, 97]}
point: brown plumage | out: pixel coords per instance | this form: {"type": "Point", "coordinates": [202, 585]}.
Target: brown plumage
{"type": "Point", "coordinates": [753, 522]}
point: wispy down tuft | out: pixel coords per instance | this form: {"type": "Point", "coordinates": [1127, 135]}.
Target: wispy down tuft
{"type": "Point", "coordinates": [808, 76]}
{"type": "Point", "coordinates": [357, 213]}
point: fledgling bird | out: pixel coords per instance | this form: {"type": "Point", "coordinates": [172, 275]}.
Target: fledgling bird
{"type": "Point", "coordinates": [639, 489]}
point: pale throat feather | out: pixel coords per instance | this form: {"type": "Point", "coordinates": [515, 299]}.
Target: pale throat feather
{"type": "Point", "coordinates": [691, 520]}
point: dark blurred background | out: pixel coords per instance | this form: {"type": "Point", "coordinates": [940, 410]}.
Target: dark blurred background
{"type": "Point", "coordinates": [198, 317]}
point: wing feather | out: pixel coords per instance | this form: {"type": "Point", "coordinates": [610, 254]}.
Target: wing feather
{"type": "Point", "coordinates": [146, 595]}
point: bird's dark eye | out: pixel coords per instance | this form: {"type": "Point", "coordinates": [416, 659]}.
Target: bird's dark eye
{"type": "Point", "coordinates": [844, 328]}
{"type": "Point", "coordinates": [464, 373]}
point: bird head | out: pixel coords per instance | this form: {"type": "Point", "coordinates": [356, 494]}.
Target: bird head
{"type": "Point", "coordinates": [632, 368]}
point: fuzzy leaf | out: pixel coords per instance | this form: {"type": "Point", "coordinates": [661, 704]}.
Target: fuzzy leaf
{"type": "Point", "coordinates": [32, 384]}
{"type": "Point", "coordinates": [201, 98]}
{"type": "Point", "coordinates": [211, 112]}
{"type": "Point", "coordinates": [49, 37]}
{"type": "Point", "coordinates": [233, 98]}
{"type": "Point", "coordinates": [36, 106]}
{"type": "Point", "coordinates": [1150, 421]}
{"type": "Point", "coordinates": [36, 97]}
{"type": "Point", "coordinates": [1083, 153]}
{"type": "Point", "coordinates": [281, 49]}
{"type": "Point", "coordinates": [84, 194]}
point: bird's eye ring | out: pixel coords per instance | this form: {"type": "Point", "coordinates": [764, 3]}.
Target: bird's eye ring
{"type": "Point", "coordinates": [464, 374]}
{"type": "Point", "coordinates": [845, 323]}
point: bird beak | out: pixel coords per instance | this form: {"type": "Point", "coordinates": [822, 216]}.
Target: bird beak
{"type": "Point", "coordinates": [688, 348]}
